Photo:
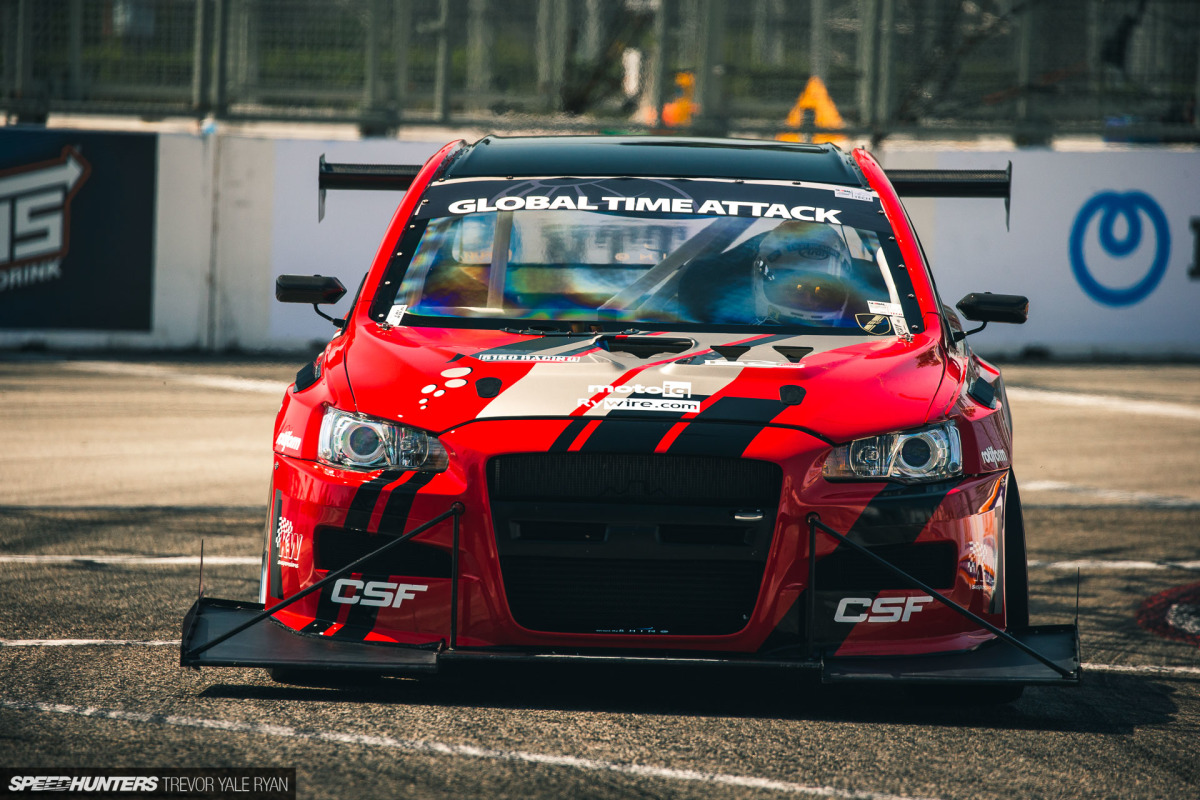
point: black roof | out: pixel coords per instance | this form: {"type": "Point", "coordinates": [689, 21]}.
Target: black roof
{"type": "Point", "coordinates": [654, 156]}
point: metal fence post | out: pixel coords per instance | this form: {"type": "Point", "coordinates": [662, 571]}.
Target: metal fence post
{"type": "Point", "coordinates": [401, 31]}
{"type": "Point", "coordinates": [883, 71]}
{"type": "Point", "coordinates": [868, 60]}
{"type": "Point", "coordinates": [219, 98]}
{"type": "Point", "coordinates": [23, 72]}
{"type": "Point", "coordinates": [710, 77]}
{"type": "Point", "coordinates": [479, 53]}
{"type": "Point", "coordinates": [202, 59]}
{"type": "Point", "coordinates": [818, 52]}
{"type": "Point", "coordinates": [441, 91]}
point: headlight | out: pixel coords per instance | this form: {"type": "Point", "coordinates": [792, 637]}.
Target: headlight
{"type": "Point", "coordinates": [361, 442]}
{"type": "Point", "coordinates": [928, 454]}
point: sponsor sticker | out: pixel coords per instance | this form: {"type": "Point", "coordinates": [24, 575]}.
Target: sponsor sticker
{"type": "Point", "coordinates": [880, 609]}
{"type": "Point", "coordinates": [667, 205]}
{"type": "Point", "coordinates": [396, 313]}
{"type": "Point", "coordinates": [979, 566]}
{"type": "Point", "coordinates": [887, 309]}
{"type": "Point", "coordinates": [672, 396]}
{"type": "Point", "coordinates": [286, 440]}
{"type": "Point", "coordinates": [994, 456]}
{"type": "Point", "coordinates": [854, 194]}
{"type": "Point", "coordinates": [874, 324]}
{"type": "Point", "coordinates": [287, 543]}
{"type": "Point", "coordinates": [374, 593]}
{"type": "Point", "coordinates": [527, 357]}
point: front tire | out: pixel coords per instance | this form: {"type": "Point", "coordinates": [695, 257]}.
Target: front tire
{"type": "Point", "coordinates": [1016, 563]}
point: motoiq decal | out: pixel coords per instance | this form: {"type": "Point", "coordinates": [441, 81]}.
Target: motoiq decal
{"type": "Point", "coordinates": [670, 396]}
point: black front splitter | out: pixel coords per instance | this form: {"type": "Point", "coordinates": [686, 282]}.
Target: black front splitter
{"type": "Point", "coordinates": [269, 644]}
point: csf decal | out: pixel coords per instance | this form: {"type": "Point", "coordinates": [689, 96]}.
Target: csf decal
{"type": "Point", "coordinates": [374, 593]}
{"type": "Point", "coordinates": [881, 609]}
{"type": "Point", "coordinates": [35, 218]}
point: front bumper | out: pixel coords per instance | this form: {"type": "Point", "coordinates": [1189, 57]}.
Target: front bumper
{"type": "Point", "coordinates": [517, 589]}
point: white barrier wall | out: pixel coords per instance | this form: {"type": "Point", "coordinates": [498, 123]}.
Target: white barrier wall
{"type": "Point", "coordinates": [1100, 242]}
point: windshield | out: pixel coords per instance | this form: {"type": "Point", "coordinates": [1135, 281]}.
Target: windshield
{"type": "Point", "coordinates": [638, 260]}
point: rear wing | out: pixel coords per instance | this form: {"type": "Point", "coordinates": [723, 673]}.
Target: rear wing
{"type": "Point", "coordinates": [954, 183]}
{"type": "Point", "coordinates": [907, 182]}
{"type": "Point", "coordinates": [380, 177]}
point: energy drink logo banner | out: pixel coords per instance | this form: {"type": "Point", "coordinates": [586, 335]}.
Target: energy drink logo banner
{"type": "Point", "coordinates": [76, 230]}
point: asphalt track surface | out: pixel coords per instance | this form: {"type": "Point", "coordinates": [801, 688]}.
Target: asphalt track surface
{"type": "Point", "coordinates": [116, 470]}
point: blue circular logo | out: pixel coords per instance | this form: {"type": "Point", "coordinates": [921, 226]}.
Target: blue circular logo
{"type": "Point", "coordinates": [1128, 207]}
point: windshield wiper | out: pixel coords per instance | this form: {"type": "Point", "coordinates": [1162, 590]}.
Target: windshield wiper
{"type": "Point", "coordinates": [547, 332]}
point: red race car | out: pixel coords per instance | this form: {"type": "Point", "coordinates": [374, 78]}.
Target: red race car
{"type": "Point", "coordinates": [633, 398]}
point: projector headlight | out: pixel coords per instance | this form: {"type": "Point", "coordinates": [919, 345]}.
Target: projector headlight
{"type": "Point", "coordinates": [927, 454]}
{"type": "Point", "coordinates": [357, 441]}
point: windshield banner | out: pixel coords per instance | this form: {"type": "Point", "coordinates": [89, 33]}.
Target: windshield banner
{"type": "Point", "coordinates": [837, 205]}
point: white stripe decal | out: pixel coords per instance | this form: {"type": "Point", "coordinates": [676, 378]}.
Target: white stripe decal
{"type": "Point", "coordinates": [1104, 402]}
{"type": "Point", "coordinates": [238, 561]}
{"type": "Point", "coordinates": [1147, 669]}
{"type": "Point", "coordinates": [1113, 495]}
{"type": "Point", "coordinates": [193, 379]}
{"type": "Point", "coordinates": [169, 561]}
{"type": "Point", "coordinates": [88, 642]}
{"type": "Point", "coordinates": [1137, 566]}
{"type": "Point", "coordinates": [423, 747]}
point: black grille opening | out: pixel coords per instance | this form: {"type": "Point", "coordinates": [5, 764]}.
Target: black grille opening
{"type": "Point", "coordinates": [643, 479]}
{"type": "Point", "coordinates": [548, 531]}
{"type": "Point", "coordinates": [933, 563]}
{"type": "Point", "coordinates": [334, 548]}
{"type": "Point", "coordinates": [632, 543]}
{"type": "Point", "coordinates": [631, 596]}
{"type": "Point", "coordinates": [713, 535]}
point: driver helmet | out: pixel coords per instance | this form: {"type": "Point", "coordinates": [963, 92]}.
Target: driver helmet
{"type": "Point", "coordinates": [800, 274]}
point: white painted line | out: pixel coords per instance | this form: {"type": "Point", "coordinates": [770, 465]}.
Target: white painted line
{"type": "Point", "coordinates": [1112, 495]}
{"type": "Point", "coordinates": [169, 561]}
{"type": "Point", "coordinates": [1091, 565]}
{"type": "Point", "coordinates": [428, 748]}
{"type": "Point", "coordinates": [1142, 669]}
{"type": "Point", "coordinates": [177, 376]}
{"type": "Point", "coordinates": [87, 642]}
{"type": "Point", "coordinates": [1104, 402]}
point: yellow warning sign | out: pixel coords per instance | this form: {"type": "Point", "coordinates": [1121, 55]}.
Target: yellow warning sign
{"type": "Point", "coordinates": [814, 108]}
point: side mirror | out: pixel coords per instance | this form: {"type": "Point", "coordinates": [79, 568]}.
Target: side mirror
{"type": "Point", "coordinates": [986, 307]}
{"type": "Point", "coordinates": [311, 289]}
{"type": "Point", "coordinates": [308, 289]}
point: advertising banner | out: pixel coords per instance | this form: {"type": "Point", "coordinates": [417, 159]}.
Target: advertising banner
{"type": "Point", "coordinates": [1103, 244]}
{"type": "Point", "coordinates": [76, 230]}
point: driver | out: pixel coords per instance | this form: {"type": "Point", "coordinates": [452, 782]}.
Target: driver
{"type": "Point", "coordinates": [800, 275]}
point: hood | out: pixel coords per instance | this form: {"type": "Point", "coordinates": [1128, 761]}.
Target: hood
{"type": "Point", "coordinates": [841, 386]}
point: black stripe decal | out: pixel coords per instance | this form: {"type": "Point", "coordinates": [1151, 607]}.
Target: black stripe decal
{"type": "Point", "coordinates": [714, 439]}
{"type": "Point", "coordinates": [361, 619]}
{"type": "Point", "coordinates": [399, 503]}
{"type": "Point", "coordinates": [743, 409]}
{"type": "Point", "coordinates": [627, 435]}
{"type": "Point", "coordinates": [568, 435]}
{"type": "Point", "coordinates": [896, 515]}
{"type": "Point", "coordinates": [327, 612]}
{"type": "Point", "coordinates": [358, 516]}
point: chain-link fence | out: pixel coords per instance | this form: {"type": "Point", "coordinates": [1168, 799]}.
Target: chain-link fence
{"type": "Point", "coordinates": [1026, 68]}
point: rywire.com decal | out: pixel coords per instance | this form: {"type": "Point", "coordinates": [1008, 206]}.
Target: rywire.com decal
{"type": "Point", "coordinates": [1121, 232]}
